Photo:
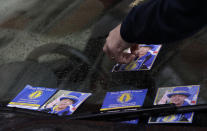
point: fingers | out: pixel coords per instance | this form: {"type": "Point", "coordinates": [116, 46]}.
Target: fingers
{"type": "Point", "coordinates": [117, 53]}
{"type": "Point", "coordinates": [120, 56]}
{"type": "Point", "coordinates": [134, 49]}
{"type": "Point", "coordinates": [125, 58]}
{"type": "Point", "coordinates": [108, 52]}
{"type": "Point", "coordinates": [115, 46]}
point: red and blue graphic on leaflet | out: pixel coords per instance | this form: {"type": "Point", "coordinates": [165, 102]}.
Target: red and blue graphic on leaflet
{"type": "Point", "coordinates": [124, 99]}
{"type": "Point", "coordinates": [180, 96]}
{"type": "Point", "coordinates": [145, 57]}
{"type": "Point", "coordinates": [32, 97]}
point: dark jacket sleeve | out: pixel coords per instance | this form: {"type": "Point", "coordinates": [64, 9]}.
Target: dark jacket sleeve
{"type": "Point", "coordinates": [164, 21]}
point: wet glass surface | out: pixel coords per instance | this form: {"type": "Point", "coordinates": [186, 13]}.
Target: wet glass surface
{"type": "Point", "coordinates": [58, 44]}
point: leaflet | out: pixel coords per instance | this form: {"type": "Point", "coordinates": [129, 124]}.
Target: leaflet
{"type": "Point", "coordinates": [64, 102]}
{"type": "Point", "coordinates": [123, 100]}
{"type": "Point", "coordinates": [32, 97]}
{"type": "Point", "coordinates": [180, 96]}
{"type": "Point", "coordinates": [60, 102]}
{"type": "Point", "coordinates": [146, 55]}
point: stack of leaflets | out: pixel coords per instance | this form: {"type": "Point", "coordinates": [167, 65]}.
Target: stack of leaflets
{"type": "Point", "coordinates": [180, 96]}
{"type": "Point", "coordinates": [123, 100]}
{"type": "Point", "coordinates": [60, 102]}
{"type": "Point", "coordinates": [146, 55]}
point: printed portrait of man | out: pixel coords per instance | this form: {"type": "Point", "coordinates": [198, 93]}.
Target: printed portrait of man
{"type": "Point", "coordinates": [143, 60]}
{"type": "Point", "coordinates": [65, 105]}
{"type": "Point", "coordinates": [144, 56]}
{"type": "Point", "coordinates": [179, 96]}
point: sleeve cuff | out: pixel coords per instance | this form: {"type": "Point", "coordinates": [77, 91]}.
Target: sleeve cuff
{"type": "Point", "coordinates": [126, 34]}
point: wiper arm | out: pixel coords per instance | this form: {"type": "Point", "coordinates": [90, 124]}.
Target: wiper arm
{"type": "Point", "coordinates": [114, 115]}
{"type": "Point", "coordinates": [157, 110]}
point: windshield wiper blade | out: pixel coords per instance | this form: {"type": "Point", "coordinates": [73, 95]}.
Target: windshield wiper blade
{"type": "Point", "coordinates": [157, 110]}
{"type": "Point", "coordinates": [114, 115]}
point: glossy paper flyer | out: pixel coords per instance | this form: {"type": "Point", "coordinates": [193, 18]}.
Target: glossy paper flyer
{"type": "Point", "coordinates": [64, 102]}
{"type": "Point", "coordinates": [180, 96]}
{"type": "Point", "coordinates": [123, 100]}
{"type": "Point", "coordinates": [146, 55]}
{"type": "Point", "coordinates": [32, 97]}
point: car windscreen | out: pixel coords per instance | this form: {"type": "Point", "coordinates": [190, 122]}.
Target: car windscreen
{"type": "Point", "coordinates": [59, 44]}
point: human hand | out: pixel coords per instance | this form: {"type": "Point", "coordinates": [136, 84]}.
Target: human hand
{"type": "Point", "coordinates": [115, 46]}
{"type": "Point", "coordinates": [134, 49]}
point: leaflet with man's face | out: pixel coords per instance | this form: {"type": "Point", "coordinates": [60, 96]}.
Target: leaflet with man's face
{"type": "Point", "coordinates": [49, 100]}
{"type": "Point", "coordinates": [64, 102]}
{"type": "Point", "coordinates": [180, 96]}
{"type": "Point", "coordinates": [145, 57]}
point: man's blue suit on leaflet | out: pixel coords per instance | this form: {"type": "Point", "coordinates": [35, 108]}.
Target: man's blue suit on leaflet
{"type": "Point", "coordinates": [176, 117]}
{"type": "Point", "coordinates": [143, 62]}
{"type": "Point", "coordinates": [164, 21]}
{"type": "Point", "coordinates": [66, 111]}
{"type": "Point", "coordinates": [179, 96]}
